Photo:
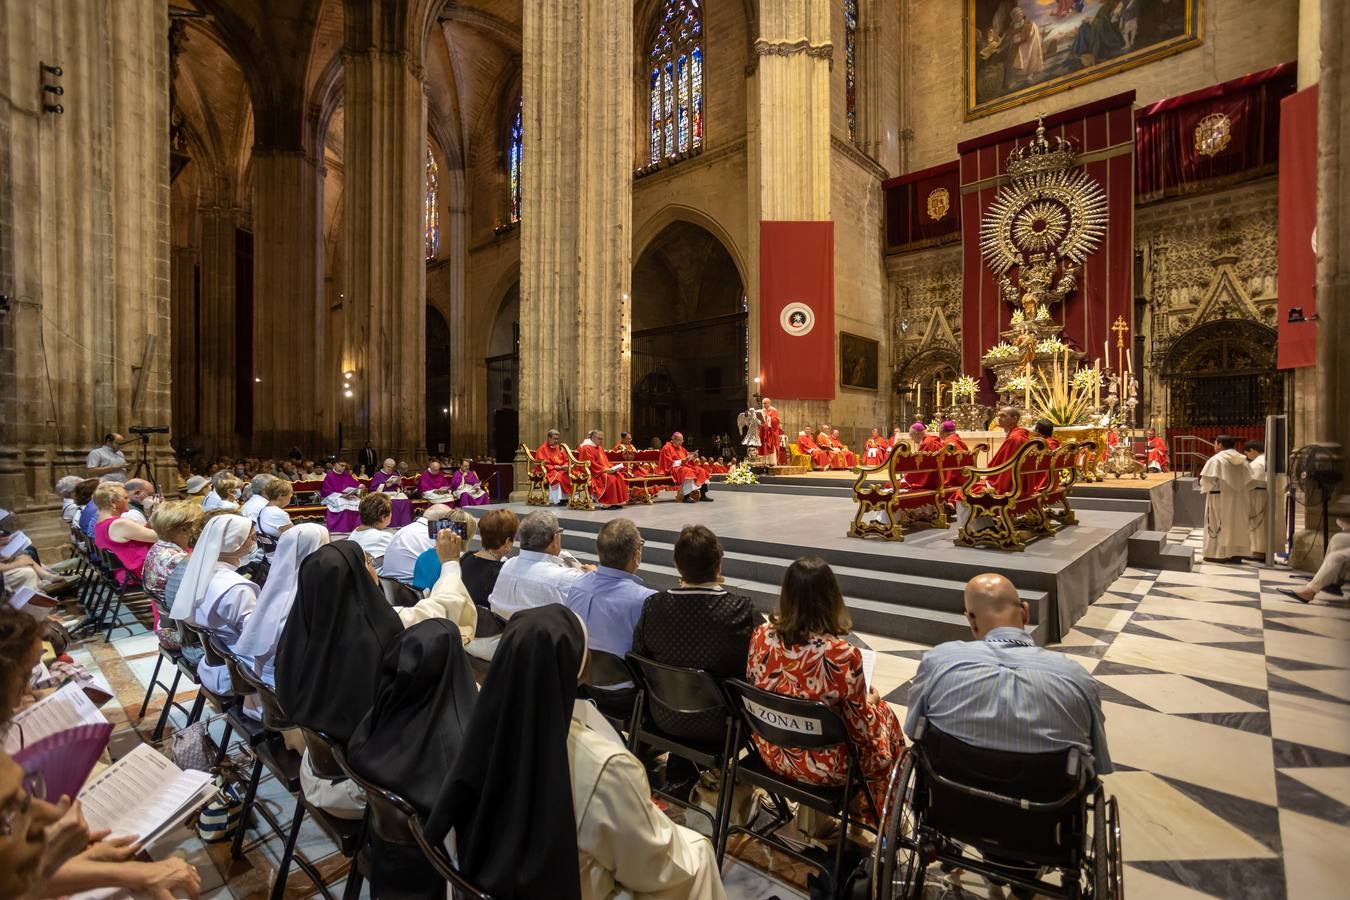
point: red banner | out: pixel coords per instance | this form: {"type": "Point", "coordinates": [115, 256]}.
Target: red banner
{"type": "Point", "coordinates": [1102, 134]}
{"type": "Point", "coordinates": [923, 208]}
{"type": "Point", "coordinates": [796, 310]}
{"type": "Point", "coordinates": [1298, 218]}
{"type": "Point", "coordinates": [1212, 137]}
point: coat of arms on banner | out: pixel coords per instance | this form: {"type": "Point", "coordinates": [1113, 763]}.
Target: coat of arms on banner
{"type": "Point", "coordinates": [1213, 134]}
{"type": "Point", "coordinates": [939, 203]}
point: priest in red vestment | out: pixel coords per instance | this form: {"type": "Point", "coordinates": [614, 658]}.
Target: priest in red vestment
{"type": "Point", "coordinates": [693, 480]}
{"type": "Point", "coordinates": [875, 448]}
{"type": "Point", "coordinates": [949, 436]}
{"type": "Point", "coordinates": [923, 443]}
{"type": "Point", "coordinates": [607, 482]}
{"type": "Point", "coordinates": [553, 458]}
{"type": "Point", "coordinates": [826, 443]}
{"type": "Point", "coordinates": [1157, 452]}
{"type": "Point", "coordinates": [820, 459]}
{"type": "Point", "coordinates": [771, 432]}
{"type": "Point", "coordinates": [850, 458]}
{"type": "Point", "coordinates": [1009, 418]}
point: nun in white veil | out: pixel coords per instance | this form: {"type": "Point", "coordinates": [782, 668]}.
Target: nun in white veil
{"type": "Point", "coordinates": [213, 595]}
{"type": "Point", "coordinates": [258, 640]}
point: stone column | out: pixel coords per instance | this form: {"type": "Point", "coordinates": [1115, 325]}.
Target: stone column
{"type": "Point", "coordinates": [1332, 398]}
{"type": "Point", "coordinates": [790, 142]}
{"type": "Point", "coordinates": [287, 301]}
{"type": "Point", "coordinates": [214, 329]}
{"type": "Point", "coordinates": [576, 222]}
{"type": "Point", "coordinates": [183, 272]}
{"type": "Point", "coordinates": [84, 241]}
{"type": "Point", "coordinates": [384, 346]}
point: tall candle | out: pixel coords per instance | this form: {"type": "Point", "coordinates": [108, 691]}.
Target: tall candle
{"type": "Point", "coordinates": [937, 396]}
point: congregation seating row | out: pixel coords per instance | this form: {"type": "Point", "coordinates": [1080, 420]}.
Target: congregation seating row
{"type": "Point", "coordinates": [1026, 495]}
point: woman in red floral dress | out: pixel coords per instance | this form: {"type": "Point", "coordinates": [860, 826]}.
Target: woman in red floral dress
{"type": "Point", "coordinates": [801, 652]}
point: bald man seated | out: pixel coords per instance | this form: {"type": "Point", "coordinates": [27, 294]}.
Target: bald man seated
{"type": "Point", "coordinates": [1002, 692]}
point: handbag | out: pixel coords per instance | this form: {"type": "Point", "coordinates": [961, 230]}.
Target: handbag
{"type": "Point", "coordinates": [194, 748]}
{"type": "Point", "coordinates": [222, 815]}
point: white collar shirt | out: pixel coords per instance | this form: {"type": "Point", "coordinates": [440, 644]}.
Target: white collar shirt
{"type": "Point", "coordinates": [400, 556]}
{"type": "Point", "coordinates": [529, 580]}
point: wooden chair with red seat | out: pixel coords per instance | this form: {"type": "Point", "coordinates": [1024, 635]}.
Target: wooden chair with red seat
{"type": "Point", "coordinates": [998, 505]}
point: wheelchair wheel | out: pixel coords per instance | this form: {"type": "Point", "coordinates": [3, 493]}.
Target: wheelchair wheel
{"type": "Point", "coordinates": [1103, 863]}
{"type": "Point", "coordinates": [897, 858]}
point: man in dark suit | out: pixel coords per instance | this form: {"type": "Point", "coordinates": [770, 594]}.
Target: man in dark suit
{"type": "Point", "coordinates": [698, 625]}
{"type": "Point", "coordinates": [367, 461]}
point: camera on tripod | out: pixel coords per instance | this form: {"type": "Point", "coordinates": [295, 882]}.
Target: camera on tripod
{"type": "Point", "coordinates": [149, 429]}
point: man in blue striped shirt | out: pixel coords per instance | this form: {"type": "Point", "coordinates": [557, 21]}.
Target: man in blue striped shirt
{"type": "Point", "coordinates": [1002, 692]}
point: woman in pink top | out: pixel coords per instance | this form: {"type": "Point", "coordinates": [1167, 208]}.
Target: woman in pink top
{"type": "Point", "coordinates": [125, 539]}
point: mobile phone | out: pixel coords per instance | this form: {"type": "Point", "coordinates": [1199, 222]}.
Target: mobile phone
{"type": "Point", "coordinates": [458, 528]}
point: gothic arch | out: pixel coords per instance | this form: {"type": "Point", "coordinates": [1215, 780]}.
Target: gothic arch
{"type": "Point", "coordinates": [644, 235]}
{"type": "Point", "coordinates": [1222, 374]}
{"type": "Point", "coordinates": [928, 363]}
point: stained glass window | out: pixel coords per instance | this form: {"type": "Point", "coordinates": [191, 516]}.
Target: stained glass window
{"type": "Point", "coordinates": [676, 82]}
{"type": "Point", "coordinates": [432, 212]}
{"type": "Point", "coordinates": [514, 157]}
{"type": "Point", "coordinates": [851, 67]}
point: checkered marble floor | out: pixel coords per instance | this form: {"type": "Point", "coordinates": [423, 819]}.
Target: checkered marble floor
{"type": "Point", "coordinates": [1227, 711]}
{"type": "Point", "coordinates": [1228, 717]}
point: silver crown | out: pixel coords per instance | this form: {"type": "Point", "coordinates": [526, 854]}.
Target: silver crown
{"type": "Point", "coordinates": [1040, 155]}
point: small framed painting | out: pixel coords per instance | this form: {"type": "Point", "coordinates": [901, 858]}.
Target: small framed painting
{"type": "Point", "coordinates": [858, 361]}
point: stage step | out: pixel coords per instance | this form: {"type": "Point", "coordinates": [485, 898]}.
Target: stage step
{"type": "Point", "coordinates": [1150, 550]}
{"type": "Point", "coordinates": [1188, 504]}
{"type": "Point", "coordinates": [906, 607]}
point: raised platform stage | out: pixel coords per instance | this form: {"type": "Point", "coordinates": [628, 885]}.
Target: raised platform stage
{"type": "Point", "coordinates": [911, 590]}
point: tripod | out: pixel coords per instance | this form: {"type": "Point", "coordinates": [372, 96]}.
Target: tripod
{"type": "Point", "coordinates": [142, 469]}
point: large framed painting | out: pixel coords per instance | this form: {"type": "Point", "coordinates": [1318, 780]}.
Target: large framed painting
{"type": "Point", "coordinates": [857, 361]}
{"type": "Point", "coordinates": [1018, 50]}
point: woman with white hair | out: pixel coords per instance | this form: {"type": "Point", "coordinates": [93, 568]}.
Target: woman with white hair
{"type": "Point", "coordinates": [213, 594]}
{"type": "Point", "coordinates": [65, 489]}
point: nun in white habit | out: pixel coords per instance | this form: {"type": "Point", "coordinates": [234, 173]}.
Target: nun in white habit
{"type": "Point", "coordinates": [213, 595]}
{"type": "Point", "coordinates": [262, 631]}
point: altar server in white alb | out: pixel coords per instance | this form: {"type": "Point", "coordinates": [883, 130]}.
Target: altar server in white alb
{"type": "Point", "coordinates": [1225, 481]}
{"type": "Point", "coordinates": [1255, 451]}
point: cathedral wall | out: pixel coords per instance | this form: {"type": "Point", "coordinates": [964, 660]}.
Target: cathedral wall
{"type": "Point", "coordinates": [859, 289]}
{"type": "Point", "coordinates": [919, 287]}
{"type": "Point", "coordinates": [1238, 36]}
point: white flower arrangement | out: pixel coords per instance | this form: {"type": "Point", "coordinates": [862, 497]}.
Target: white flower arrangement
{"type": "Point", "coordinates": [1042, 314]}
{"type": "Point", "coordinates": [1017, 317]}
{"type": "Point", "coordinates": [966, 386]}
{"type": "Point", "coordinates": [1018, 383]}
{"type": "Point", "coordinates": [1087, 379]}
{"type": "Point", "coordinates": [741, 474]}
{"type": "Point", "coordinates": [1051, 345]}
{"type": "Point", "coordinates": [1001, 350]}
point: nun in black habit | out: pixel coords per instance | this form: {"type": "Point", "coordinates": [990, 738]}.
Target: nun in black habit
{"type": "Point", "coordinates": [544, 800]}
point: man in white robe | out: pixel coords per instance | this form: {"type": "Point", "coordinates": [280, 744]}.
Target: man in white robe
{"type": "Point", "coordinates": [1255, 452]}
{"type": "Point", "coordinates": [1224, 481]}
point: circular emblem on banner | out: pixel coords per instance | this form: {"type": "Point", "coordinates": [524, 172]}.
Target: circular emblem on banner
{"type": "Point", "coordinates": [1212, 134]}
{"type": "Point", "coordinates": [797, 319]}
{"type": "Point", "coordinates": [939, 202]}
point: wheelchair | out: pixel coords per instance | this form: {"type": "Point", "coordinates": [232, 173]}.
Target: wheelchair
{"type": "Point", "coordinates": [1013, 818]}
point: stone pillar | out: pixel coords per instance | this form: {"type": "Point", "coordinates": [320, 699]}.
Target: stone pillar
{"type": "Point", "coordinates": [1333, 237]}
{"type": "Point", "coordinates": [84, 241]}
{"type": "Point", "coordinates": [576, 222]}
{"type": "Point", "coordinates": [384, 346]}
{"type": "Point", "coordinates": [214, 329]}
{"type": "Point", "coordinates": [790, 143]}
{"type": "Point", "coordinates": [288, 314]}
{"type": "Point", "coordinates": [184, 276]}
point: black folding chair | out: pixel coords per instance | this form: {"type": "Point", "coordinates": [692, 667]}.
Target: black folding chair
{"type": "Point", "coordinates": [609, 682]}
{"type": "Point", "coordinates": [124, 586]}
{"type": "Point", "coordinates": [683, 692]}
{"type": "Point", "coordinates": [440, 861]}
{"type": "Point", "coordinates": [810, 725]}
{"type": "Point", "coordinates": [284, 765]}
{"type": "Point", "coordinates": [399, 594]}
